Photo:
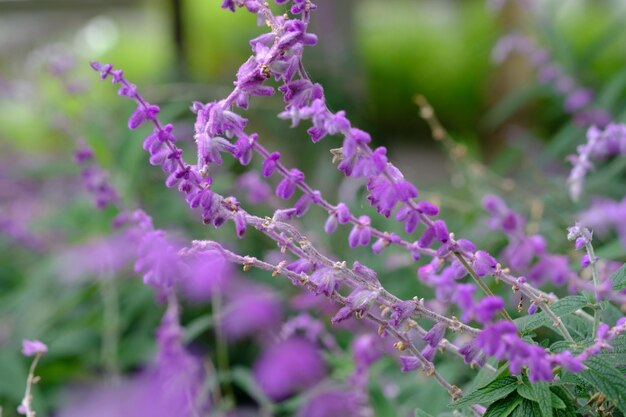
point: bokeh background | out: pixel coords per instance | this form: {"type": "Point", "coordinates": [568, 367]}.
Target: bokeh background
{"type": "Point", "coordinates": [373, 57]}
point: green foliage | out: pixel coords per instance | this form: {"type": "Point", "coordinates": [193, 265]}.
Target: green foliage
{"type": "Point", "coordinates": [564, 306]}
{"type": "Point", "coordinates": [495, 390]}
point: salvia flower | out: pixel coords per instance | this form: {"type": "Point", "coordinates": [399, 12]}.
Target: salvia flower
{"type": "Point", "coordinates": [487, 307]}
{"type": "Point", "coordinates": [33, 347]}
{"type": "Point", "coordinates": [409, 363]}
{"type": "Point", "coordinates": [435, 334]}
{"type": "Point", "coordinates": [326, 281]}
{"type": "Point", "coordinates": [288, 367]}
{"type": "Point", "coordinates": [361, 233]}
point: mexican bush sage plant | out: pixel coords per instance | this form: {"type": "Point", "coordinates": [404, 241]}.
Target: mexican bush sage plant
{"type": "Point", "coordinates": [526, 373]}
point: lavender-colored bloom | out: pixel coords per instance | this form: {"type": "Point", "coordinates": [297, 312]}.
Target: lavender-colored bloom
{"type": "Point", "coordinates": [287, 186]}
{"type": "Point", "coordinates": [551, 268]}
{"type": "Point", "coordinates": [326, 281]}
{"type": "Point", "coordinates": [361, 233]}
{"type": "Point", "coordinates": [435, 334]}
{"type": "Point", "coordinates": [333, 403]}
{"type": "Point", "coordinates": [33, 347]}
{"type": "Point", "coordinates": [158, 261]}
{"type": "Point", "coordinates": [429, 353]}
{"type": "Point", "coordinates": [206, 274]}
{"type": "Point", "coordinates": [409, 363]}
{"type": "Point", "coordinates": [578, 99]}
{"type": "Point", "coordinates": [492, 339]}
{"type": "Point", "coordinates": [483, 263]}
{"type": "Point", "coordinates": [289, 367]}
{"type": "Point", "coordinates": [487, 307]}
{"type": "Point", "coordinates": [257, 190]}
{"type": "Point", "coordinates": [269, 164]}
{"type": "Point", "coordinates": [600, 144]}
{"type": "Point", "coordinates": [251, 313]}
{"type": "Point", "coordinates": [366, 350]}
{"type": "Point", "coordinates": [402, 311]}
{"type": "Point", "coordinates": [568, 361]}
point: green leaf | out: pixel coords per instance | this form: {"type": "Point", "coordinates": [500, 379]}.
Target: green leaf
{"type": "Point", "coordinates": [242, 378]}
{"type": "Point", "coordinates": [421, 413]}
{"type": "Point", "coordinates": [493, 391]}
{"type": "Point", "coordinates": [526, 391]}
{"type": "Point", "coordinates": [526, 409]}
{"type": "Point", "coordinates": [503, 407]}
{"type": "Point", "coordinates": [557, 402]}
{"type": "Point", "coordinates": [569, 410]}
{"type": "Point", "coordinates": [544, 398]}
{"type": "Point", "coordinates": [564, 306]}
{"type": "Point", "coordinates": [607, 379]}
{"type": "Point", "coordinates": [578, 327]}
{"type": "Point", "coordinates": [619, 278]}
{"type": "Point", "coordinates": [197, 326]}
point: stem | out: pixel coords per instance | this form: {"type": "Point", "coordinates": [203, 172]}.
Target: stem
{"type": "Point", "coordinates": [596, 285]}
{"type": "Point", "coordinates": [30, 381]}
{"type": "Point", "coordinates": [303, 280]}
{"type": "Point", "coordinates": [222, 350]}
{"type": "Point", "coordinates": [111, 326]}
{"type": "Point", "coordinates": [480, 282]}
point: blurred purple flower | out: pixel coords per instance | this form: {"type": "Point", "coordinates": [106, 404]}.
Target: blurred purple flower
{"type": "Point", "coordinates": [289, 367]}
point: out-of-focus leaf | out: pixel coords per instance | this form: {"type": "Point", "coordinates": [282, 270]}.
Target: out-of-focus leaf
{"type": "Point", "coordinates": [493, 391]}
{"type": "Point", "coordinates": [565, 305]}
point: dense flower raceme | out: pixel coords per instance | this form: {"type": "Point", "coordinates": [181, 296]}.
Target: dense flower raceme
{"type": "Point", "coordinates": [604, 216]}
{"type": "Point", "coordinates": [601, 144]}
{"type": "Point", "coordinates": [528, 255]}
{"type": "Point", "coordinates": [278, 55]}
{"type": "Point", "coordinates": [94, 179]}
{"type": "Point", "coordinates": [357, 303]}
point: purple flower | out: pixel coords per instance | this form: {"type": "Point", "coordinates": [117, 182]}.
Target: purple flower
{"type": "Point", "coordinates": [33, 347]}
{"type": "Point", "coordinates": [326, 281]}
{"type": "Point", "coordinates": [330, 404]}
{"type": "Point", "coordinates": [158, 261]}
{"type": "Point", "coordinates": [257, 190]}
{"type": "Point", "coordinates": [361, 233]}
{"type": "Point", "coordinates": [366, 350]}
{"type": "Point", "coordinates": [435, 334]}
{"type": "Point", "coordinates": [287, 186]}
{"type": "Point", "coordinates": [568, 361]}
{"type": "Point", "coordinates": [409, 363]}
{"type": "Point", "coordinates": [487, 308]}
{"type": "Point", "coordinates": [270, 163]}
{"type": "Point", "coordinates": [141, 114]}
{"type": "Point", "coordinates": [483, 263]}
{"type": "Point", "coordinates": [289, 367]}
{"type": "Point", "coordinates": [250, 313]}
{"type": "Point", "coordinates": [492, 339]}
{"type": "Point", "coordinates": [206, 273]}
{"type": "Point", "coordinates": [402, 311]}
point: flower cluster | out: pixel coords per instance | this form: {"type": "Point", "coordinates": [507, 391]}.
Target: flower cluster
{"type": "Point", "coordinates": [220, 131]}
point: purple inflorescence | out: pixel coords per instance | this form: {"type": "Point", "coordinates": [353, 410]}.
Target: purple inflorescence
{"type": "Point", "coordinates": [295, 364]}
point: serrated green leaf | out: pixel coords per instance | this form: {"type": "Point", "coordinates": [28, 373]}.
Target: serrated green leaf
{"type": "Point", "coordinates": [543, 395]}
{"type": "Point", "coordinates": [564, 306]}
{"type": "Point", "coordinates": [619, 278]}
{"type": "Point", "coordinates": [503, 407]}
{"type": "Point", "coordinates": [606, 379]}
{"type": "Point", "coordinates": [557, 402]}
{"type": "Point", "coordinates": [525, 409]}
{"type": "Point", "coordinates": [526, 391]}
{"type": "Point", "coordinates": [578, 327]}
{"type": "Point", "coordinates": [421, 413]}
{"type": "Point", "coordinates": [569, 410]}
{"type": "Point", "coordinates": [491, 392]}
